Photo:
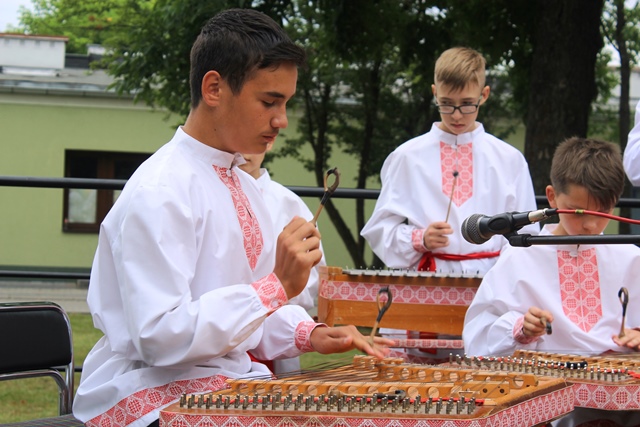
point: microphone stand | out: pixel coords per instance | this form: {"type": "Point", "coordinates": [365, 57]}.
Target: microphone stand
{"type": "Point", "coordinates": [526, 240]}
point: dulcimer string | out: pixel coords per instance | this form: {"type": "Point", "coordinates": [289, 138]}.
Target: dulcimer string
{"type": "Point", "coordinates": [333, 372]}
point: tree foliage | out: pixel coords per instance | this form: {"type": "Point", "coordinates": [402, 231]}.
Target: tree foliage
{"type": "Point", "coordinates": [367, 88]}
{"type": "Point", "coordinates": [361, 92]}
{"type": "Point", "coordinates": [83, 22]}
{"type": "Point", "coordinates": [620, 29]}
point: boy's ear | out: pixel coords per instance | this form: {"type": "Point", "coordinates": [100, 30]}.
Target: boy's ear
{"type": "Point", "coordinates": [551, 196]}
{"type": "Point", "coordinates": [211, 84]}
{"type": "Point", "coordinates": [433, 90]}
{"type": "Point", "coordinates": [485, 94]}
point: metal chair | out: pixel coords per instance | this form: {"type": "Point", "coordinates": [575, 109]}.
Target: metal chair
{"type": "Point", "coordinates": [37, 341]}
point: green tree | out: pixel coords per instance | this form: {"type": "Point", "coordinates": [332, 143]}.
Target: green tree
{"type": "Point", "coordinates": [620, 28]}
{"type": "Point", "coordinates": [364, 91]}
{"type": "Point", "coordinates": [148, 41]}
{"type": "Point", "coordinates": [367, 88]}
{"type": "Point", "coordinates": [151, 57]}
{"type": "Point", "coordinates": [548, 51]}
{"type": "Point", "coordinates": [83, 22]}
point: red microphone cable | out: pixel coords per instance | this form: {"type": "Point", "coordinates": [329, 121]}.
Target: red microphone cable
{"type": "Point", "coordinates": [602, 214]}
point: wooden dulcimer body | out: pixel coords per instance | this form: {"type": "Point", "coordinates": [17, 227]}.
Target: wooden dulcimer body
{"type": "Point", "coordinates": [378, 393]}
{"type": "Point", "coordinates": [422, 301]}
{"type": "Point", "coordinates": [607, 381]}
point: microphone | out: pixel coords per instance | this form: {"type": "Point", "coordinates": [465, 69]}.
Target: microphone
{"type": "Point", "coordinates": [479, 228]}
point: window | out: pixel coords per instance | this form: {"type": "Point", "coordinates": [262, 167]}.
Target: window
{"type": "Point", "coordinates": [84, 209]}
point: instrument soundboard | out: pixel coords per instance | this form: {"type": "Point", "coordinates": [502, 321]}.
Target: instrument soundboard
{"type": "Point", "coordinates": [383, 393]}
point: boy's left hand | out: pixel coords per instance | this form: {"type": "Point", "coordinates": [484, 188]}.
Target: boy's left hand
{"type": "Point", "coordinates": [339, 339]}
{"type": "Point", "coordinates": [630, 339]}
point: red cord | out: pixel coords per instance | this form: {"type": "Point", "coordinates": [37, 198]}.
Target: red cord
{"type": "Point", "coordinates": [602, 214]}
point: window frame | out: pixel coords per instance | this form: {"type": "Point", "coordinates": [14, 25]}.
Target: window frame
{"type": "Point", "coordinates": [105, 169]}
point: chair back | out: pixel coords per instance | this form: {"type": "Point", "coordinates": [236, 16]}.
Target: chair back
{"type": "Point", "coordinates": [37, 341]}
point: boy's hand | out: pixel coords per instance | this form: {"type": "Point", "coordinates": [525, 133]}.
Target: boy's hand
{"type": "Point", "coordinates": [535, 322]}
{"type": "Point", "coordinates": [297, 252]}
{"type": "Point", "coordinates": [435, 236]}
{"type": "Point", "coordinates": [630, 339]}
{"type": "Point", "coordinates": [326, 340]}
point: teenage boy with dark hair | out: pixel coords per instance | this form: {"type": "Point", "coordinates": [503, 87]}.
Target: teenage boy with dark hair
{"type": "Point", "coordinates": [185, 284]}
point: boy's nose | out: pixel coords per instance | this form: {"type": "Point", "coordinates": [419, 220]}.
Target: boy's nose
{"type": "Point", "coordinates": [589, 223]}
{"type": "Point", "coordinates": [280, 120]}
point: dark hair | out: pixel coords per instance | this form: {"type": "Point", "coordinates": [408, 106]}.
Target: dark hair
{"type": "Point", "coordinates": [237, 42]}
{"type": "Point", "coordinates": [591, 163]}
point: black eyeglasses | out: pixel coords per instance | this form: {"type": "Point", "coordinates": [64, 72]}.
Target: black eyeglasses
{"type": "Point", "coordinates": [464, 109]}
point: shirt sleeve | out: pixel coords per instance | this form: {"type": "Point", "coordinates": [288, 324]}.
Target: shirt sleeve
{"type": "Point", "coordinates": [631, 158]}
{"type": "Point", "coordinates": [309, 295]}
{"type": "Point", "coordinates": [525, 200]}
{"type": "Point", "coordinates": [155, 256]}
{"type": "Point", "coordinates": [490, 320]}
{"type": "Point", "coordinates": [287, 334]}
{"type": "Point", "coordinates": [389, 231]}
{"type": "Point", "coordinates": [292, 205]}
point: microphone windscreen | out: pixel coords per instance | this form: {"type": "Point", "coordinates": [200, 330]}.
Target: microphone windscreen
{"type": "Point", "coordinates": [471, 229]}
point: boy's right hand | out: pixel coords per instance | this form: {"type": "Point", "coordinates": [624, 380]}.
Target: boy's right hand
{"type": "Point", "coordinates": [297, 252]}
{"type": "Point", "coordinates": [340, 339]}
{"type": "Point", "coordinates": [435, 236]}
{"type": "Point", "coordinates": [533, 325]}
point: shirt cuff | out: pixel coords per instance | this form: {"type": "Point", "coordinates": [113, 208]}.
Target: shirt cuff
{"type": "Point", "coordinates": [519, 335]}
{"type": "Point", "coordinates": [417, 240]}
{"type": "Point", "coordinates": [303, 335]}
{"type": "Point", "coordinates": [271, 292]}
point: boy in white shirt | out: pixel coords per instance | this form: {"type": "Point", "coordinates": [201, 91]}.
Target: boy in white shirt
{"type": "Point", "coordinates": [573, 287]}
{"type": "Point", "coordinates": [631, 157]}
{"type": "Point", "coordinates": [432, 183]}
{"type": "Point", "coordinates": [189, 281]}
{"type": "Point", "coordinates": [290, 206]}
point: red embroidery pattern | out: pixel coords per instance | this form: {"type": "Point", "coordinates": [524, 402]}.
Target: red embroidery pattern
{"type": "Point", "coordinates": [417, 240]}
{"type": "Point", "coordinates": [518, 333]}
{"type": "Point", "coordinates": [610, 397]}
{"type": "Point", "coordinates": [580, 287]}
{"type": "Point", "coordinates": [303, 335]}
{"type": "Point", "coordinates": [271, 292]}
{"type": "Point", "coordinates": [142, 402]}
{"type": "Point", "coordinates": [248, 222]}
{"type": "Point", "coordinates": [457, 158]}
{"type": "Point", "coordinates": [410, 294]}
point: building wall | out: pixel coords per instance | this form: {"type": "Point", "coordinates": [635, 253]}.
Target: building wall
{"type": "Point", "coordinates": [18, 50]}
{"type": "Point", "coordinates": [36, 130]}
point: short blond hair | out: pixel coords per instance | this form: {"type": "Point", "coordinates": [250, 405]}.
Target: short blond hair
{"type": "Point", "coordinates": [459, 66]}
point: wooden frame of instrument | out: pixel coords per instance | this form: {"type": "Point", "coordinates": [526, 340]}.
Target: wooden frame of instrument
{"type": "Point", "coordinates": [365, 390]}
{"type": "Point", "coordinates": [450, 296]}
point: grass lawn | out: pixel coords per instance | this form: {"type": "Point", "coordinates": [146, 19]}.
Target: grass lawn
{"type": "Point", "coordinates": [34, 398]}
